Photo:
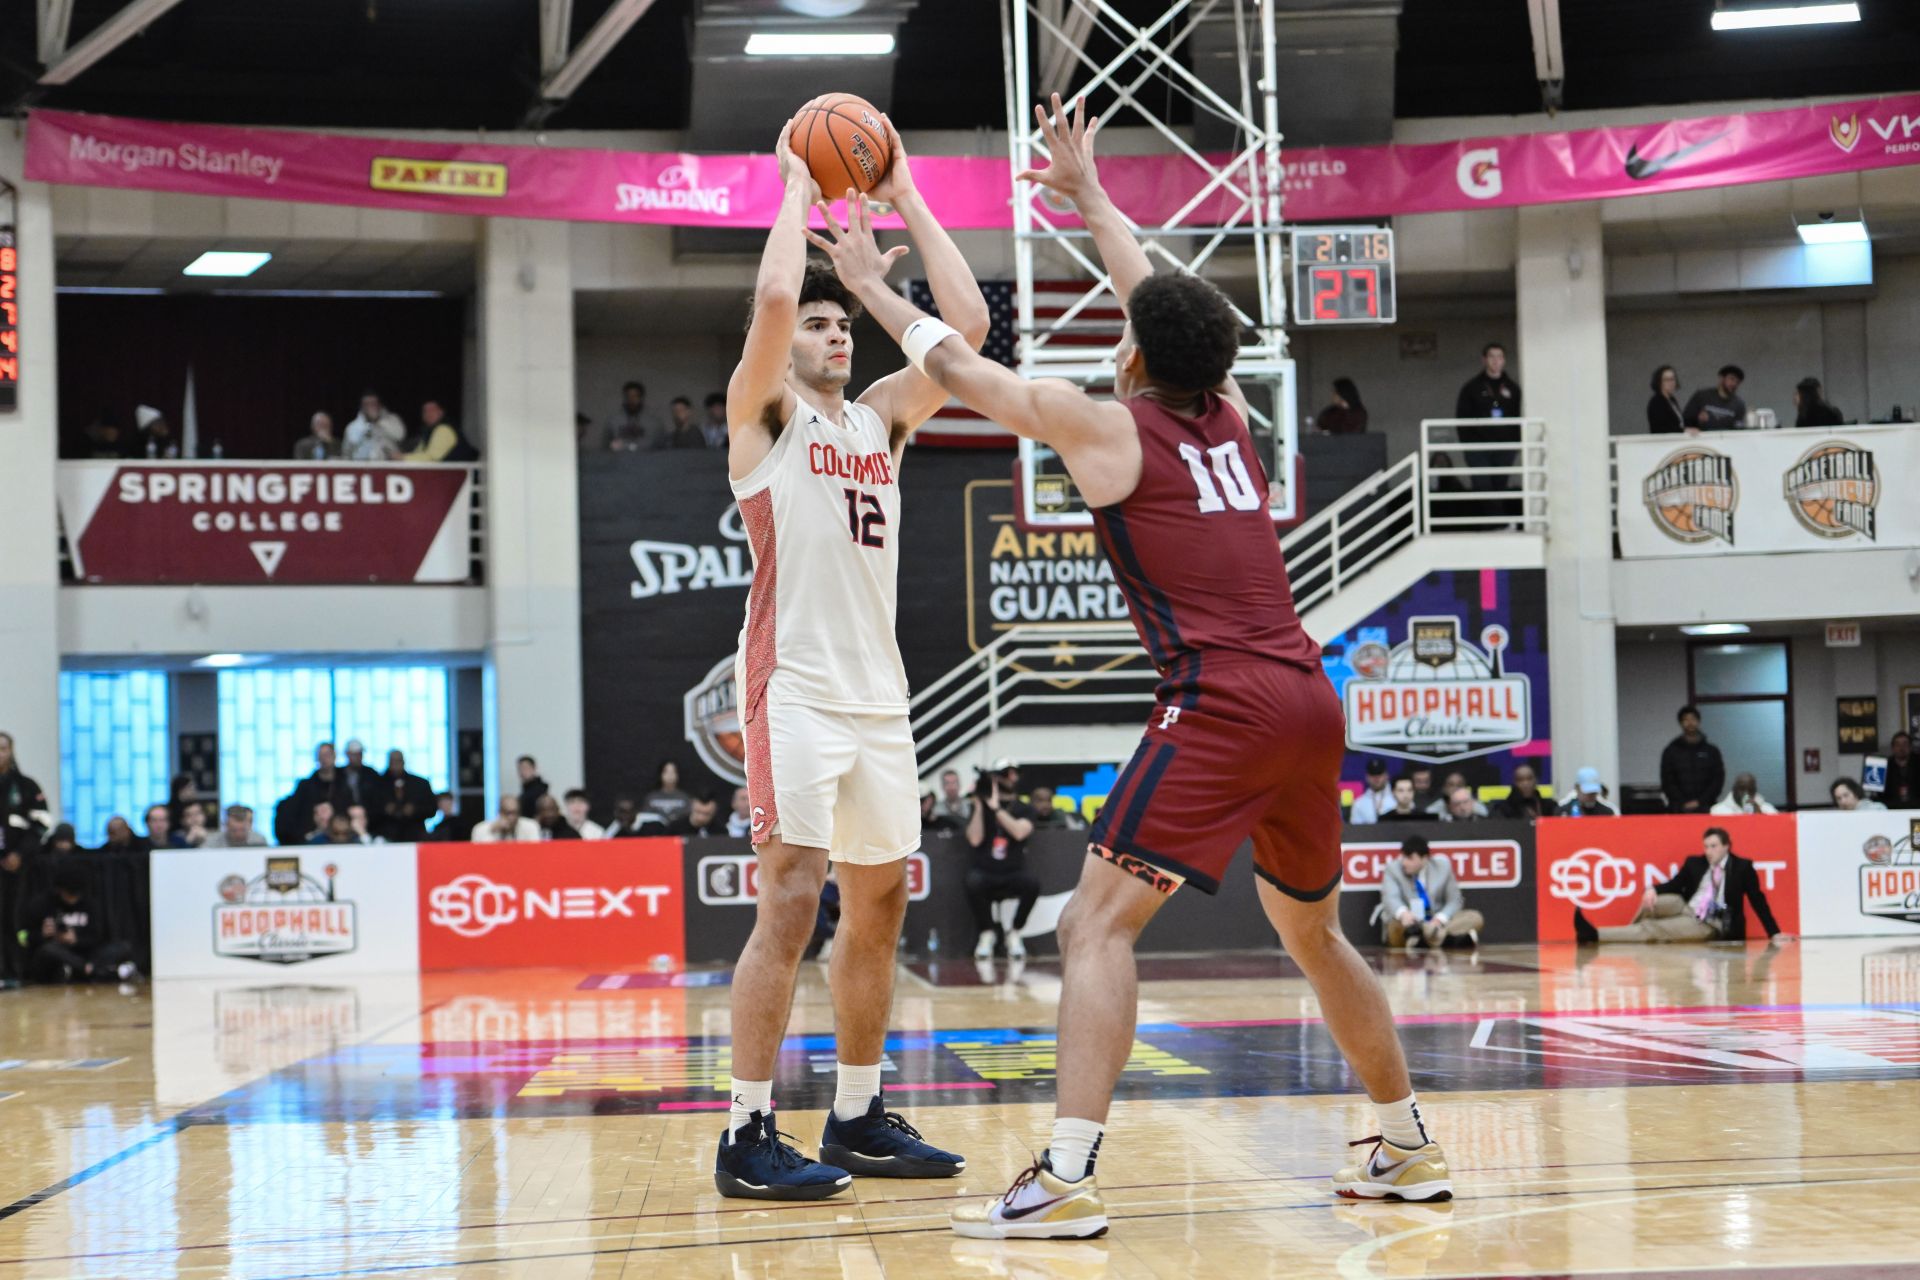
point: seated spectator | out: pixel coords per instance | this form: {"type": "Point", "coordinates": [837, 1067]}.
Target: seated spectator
{"type": "Point", "coordinates": [159, 836]}
{"type": "Point", "coordinates": [740, 817]}
{"type": "Point", "coordinates": [1404, 809]}
{"type": "Point", "coordinates": [60, 841]}
{"type": "Point", "coordinates": [156, 438]}
{"type": "Point", "coordinates": [450, 828]}
{"type": "Point", "coordinates": [120, 837]}
{"type": "Point", "coordinates": [320, 444]}
{"type": "Point", "coordinates": [376, 434]}
{"type": "Point", "coordinates": [1691, 770]}
{"type": "Point", "coordinates": [238, 832]}
{"type": "Point", "coordinates": [701, 819]}
{"type": "Point", "coordinates": [1903, 774]}
{"type": "Point", "coordinates": [578, 806]}
{"type": "Point", "coordinates": [997, 834]}
{"type": "Point", "coordinates": [1420, 900]}
{"type": "Point", "coordinates": [339, 830]}
{"type": "Point", "coordinates": [320, 822]}
{"type": "Point", "coordinates": [1848, 796]}
{"type": "Point", "coordinates": [193, 835]}
{"type": "Point", "coordinates": [509, 826]}
{"type": "Point", "coordinates": [105, 439]}
{"type": "Point", "coordinates": [714, 428]}
{"type": "Point", "coordinates": [1814, 411]}
{"type": "Point", "coordinates": [532, 785]}
{"type": "Point", "coordinates": [362, 828]}
{"type": "Point", "coordinates": [1442, 806]}
{"type": "Point", "coordinates": [631, 426]}
{"type": "Point", "coordinates": [683, 432]}
{"type": "Point", "coordinates": [24, 814]}
{"type": "Point", "coordinates": [1703, 902]}
{"type": "Point", "coordinates": [551, 819]}
{"type": "Point", "coordinates": [1376, 799]}
{"type": "Point", "coordinates": [1524, 801]}
{"type": "Point", "coordinates": [1423, 793]}
{"type": "Point", "coordinates": [405, 802]}
{"type": "Point", "coordinates": [952, 807]}
{"type": "Point", "coordinates": [1664, 415]}
{"type": "Point", "coordinates": [667, 799]}
{"type": "Point", "coordinates": [440, 439]}
{"type": "Point", "coordinates": [1049, 816]}
{"type": "Point", "coordinates": [1462, 806]}
{"type": "Point", "coordinates": [1346, 415]}
{"type": "Point", "coordinates": [630, 820]}
{"type": "Point", "coordinates": [1588, 796]}
{"type": "Point", "coordinates": [1719, 407]}
{"type": "Point", "coordinates": [1744, 798]}
{"type": "Point", "coordinates": [67, 939]}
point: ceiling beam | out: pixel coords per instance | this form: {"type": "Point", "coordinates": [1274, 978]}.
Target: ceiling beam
{"type": "Point", "coordinates": [1549, 66]}
{"type": "Point", "coordinates": [56, 18]}
{"type": "Point", "coordinates": [105, 38]}
{"type": "Point", "coordinates": [619, 18]}
{"type": "Point", "coordinates": [556, 25]}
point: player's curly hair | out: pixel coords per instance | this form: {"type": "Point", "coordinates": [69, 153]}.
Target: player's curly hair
{"type": "Point", "coordinates": [1186, 329]}
{"type": "Point", "coordinates": [820, 284]}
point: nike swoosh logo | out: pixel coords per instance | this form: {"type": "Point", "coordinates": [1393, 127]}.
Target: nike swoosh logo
{"type": "Point", "coordinates": [1030, 1210]}
{"type": "Point", "coordinates": [1640, 167]}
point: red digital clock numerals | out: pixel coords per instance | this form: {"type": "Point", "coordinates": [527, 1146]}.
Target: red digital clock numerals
{"type": "Point", "coordinates": [9, 322]}
{"type": "Point", "coordinates": [1345, 293]}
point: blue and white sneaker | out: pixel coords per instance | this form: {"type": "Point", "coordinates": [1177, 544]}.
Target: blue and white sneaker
{"type": "Point", "coordinates": [881, 1144]}
{"type": "Point", "coordinates": [755, 1164]}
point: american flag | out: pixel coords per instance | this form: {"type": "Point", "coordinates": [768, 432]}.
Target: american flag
{"type": "Point", "coordinates": [1097, 326]}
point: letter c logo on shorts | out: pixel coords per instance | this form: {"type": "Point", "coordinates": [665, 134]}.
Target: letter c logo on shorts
{"type": "Point", "coordinates": [1478, 173]}
{"type": "Point", "coordinates": [1592, 878]}
{"type": "Point", "coordinates": [472, 905]}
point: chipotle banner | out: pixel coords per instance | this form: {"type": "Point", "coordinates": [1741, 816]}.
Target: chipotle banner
{"type": "Point", "coordinates": [135, 523]}
{"type": "Point", "coordinates": [682, 189]}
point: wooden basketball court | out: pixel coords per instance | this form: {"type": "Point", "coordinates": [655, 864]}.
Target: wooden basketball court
{"type": "Point", "coordinates": [1678, 1111]}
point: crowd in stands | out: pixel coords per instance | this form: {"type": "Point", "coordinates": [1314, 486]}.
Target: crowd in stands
{"type": "Point", "coordinates": [375, 434]}
{"type": "Point", "coordinates": [632, 427]}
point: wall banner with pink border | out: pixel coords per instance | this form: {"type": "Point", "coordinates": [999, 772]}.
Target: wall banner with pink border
{"type": "Point", "coordinates": [681, 189]}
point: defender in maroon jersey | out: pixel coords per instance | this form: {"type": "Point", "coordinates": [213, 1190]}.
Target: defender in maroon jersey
{"type": "Point", "coordinates": [1246, 735]}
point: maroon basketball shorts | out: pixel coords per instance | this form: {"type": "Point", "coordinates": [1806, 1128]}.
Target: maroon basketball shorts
{"type": "Point", "coordinates": [1237, 746]}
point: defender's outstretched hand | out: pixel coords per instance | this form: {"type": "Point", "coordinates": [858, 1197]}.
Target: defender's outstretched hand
{"type": "Point", "coordinates": [1070, 171]}
{"type": "Point", "coordinates": [857, 257]}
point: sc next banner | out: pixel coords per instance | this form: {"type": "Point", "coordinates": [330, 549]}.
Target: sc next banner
{"type": "Point", "coordinates": [1451, 675]}
{"type": "Point", "coordinates": [1603, 865]}
{"type": "Point", "coordinates": [617, 904]}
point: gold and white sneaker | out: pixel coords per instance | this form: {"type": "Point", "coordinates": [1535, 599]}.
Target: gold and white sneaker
{"type": "Point", "coordinates": [1038, 1206]}
{"type": "Point", "coordinates": [1393, 1173]}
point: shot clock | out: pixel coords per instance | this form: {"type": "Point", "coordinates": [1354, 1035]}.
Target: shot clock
{"type": "Point", "coordinates": [1343, 275]}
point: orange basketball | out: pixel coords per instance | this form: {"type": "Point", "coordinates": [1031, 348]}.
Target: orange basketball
{"type": "Point", "coordinates": [843, 142]}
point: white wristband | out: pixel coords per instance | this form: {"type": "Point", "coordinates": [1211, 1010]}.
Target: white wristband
{"type": "Point", "coordinates": [922, 336]}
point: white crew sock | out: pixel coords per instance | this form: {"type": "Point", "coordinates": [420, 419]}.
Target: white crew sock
{"type": "Point", "coordinates": [1400, 1123]}
{"type": "Point", "coordinates": [1075, 1146]}
{"type": "Point", "coordinates": [855, 1087]}
{"type": "Point", "coordinates": [749, 1096]}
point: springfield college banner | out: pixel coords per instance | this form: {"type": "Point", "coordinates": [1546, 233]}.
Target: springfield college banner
{"type": "Point", "coordinates": [1764, 491]}
{"type": "Point", "coordinates": [247, 523]}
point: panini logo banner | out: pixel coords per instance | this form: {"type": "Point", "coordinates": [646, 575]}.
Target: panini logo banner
{"type": "Point", "coordinates": [1769, 491]}
{"type": "Point", "coordinates": [682, 189]}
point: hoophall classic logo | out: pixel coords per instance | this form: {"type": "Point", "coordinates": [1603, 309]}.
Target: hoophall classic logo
{"type": "Point", "coordinates": [1834, 490]}
{"type": "Point", "coordinates": [282, 916]}
{"type": "Point", "coordinates": [1692, 495]}
{"type": "Point", "coordinates": [1435, 696]}
{"type": "Point", "coordinates": [1890, 880]}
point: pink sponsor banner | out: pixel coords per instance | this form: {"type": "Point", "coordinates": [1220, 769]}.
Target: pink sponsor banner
{"type": "Point", "coordinates": [681, 189]}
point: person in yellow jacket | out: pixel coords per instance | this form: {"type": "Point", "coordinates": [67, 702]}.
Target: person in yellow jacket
{"type": "Point", "coordinates": [440, 439]}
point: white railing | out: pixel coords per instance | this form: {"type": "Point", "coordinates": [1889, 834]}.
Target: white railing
{"type": "Point", "coordinates": [1448, 486]}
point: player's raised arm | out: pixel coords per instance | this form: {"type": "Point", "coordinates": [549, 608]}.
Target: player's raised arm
{"type": "Point", "coordinates": [1071, 173]}
{"type": "Point", "coordinates": [908, 398]}
{"type": "Point", "coordinates": [757, 393]}
{"type": "Point", "coordinates": [1049, 410]}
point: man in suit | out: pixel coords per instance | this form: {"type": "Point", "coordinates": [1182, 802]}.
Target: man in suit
{"type": "Point", "coordinates": [1704, 902]}
{"type": "Point", "coordinates": [1420, 900]}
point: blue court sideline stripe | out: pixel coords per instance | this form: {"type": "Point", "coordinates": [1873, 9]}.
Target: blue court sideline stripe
{"type": "Point", "coordinates": [170, 1128]}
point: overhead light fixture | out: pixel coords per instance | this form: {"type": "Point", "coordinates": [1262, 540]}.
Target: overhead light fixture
{"type": "Point", "coordinates": [1752, 18]}
{"type": "Point", "coordinates": [1853, 232]}
{"type": "Point", "coordinates": [221, 660]}
{"type": "Point", "coordinates": [1716, 629]}
{"type": "Point", "coordinates": [826, 44]}
{"type": "Point", "coordinates": [222, 262]}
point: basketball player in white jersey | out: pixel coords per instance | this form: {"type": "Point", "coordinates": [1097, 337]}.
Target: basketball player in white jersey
{"type": "Point", "coordinates": [822, 691]}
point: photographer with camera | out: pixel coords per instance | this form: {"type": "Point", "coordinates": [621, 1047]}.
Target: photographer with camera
{"type": "Point", "coordinates": [997, 832]}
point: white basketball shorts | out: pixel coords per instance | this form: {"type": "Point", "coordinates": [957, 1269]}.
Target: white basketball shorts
{"type": "Point", "coordinates": [833, 780]}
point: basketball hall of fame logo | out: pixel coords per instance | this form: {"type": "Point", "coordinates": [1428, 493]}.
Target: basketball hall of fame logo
{"type": "Point", "coordinates": [1890, 878]}
{"type": "Point", "coordinates": [1834, 491]}
{"type": "Point", "coordinates": [283, 915]}
{"type": "Point", "coordinates": [1692, 495]}
{"type": "Point", "coordinates": [713, 723]}
{"type": "Point", "coordinates": [1435, 696]}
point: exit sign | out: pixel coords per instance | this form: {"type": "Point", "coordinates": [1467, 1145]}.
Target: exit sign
{"type": "Point", "coordinates": [1843, 635]}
